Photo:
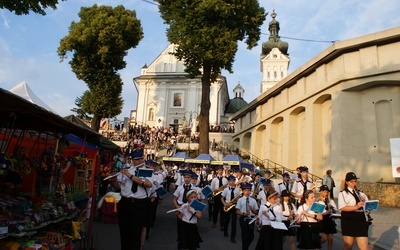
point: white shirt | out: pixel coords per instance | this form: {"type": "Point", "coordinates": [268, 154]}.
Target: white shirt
{"type": "Point", "coordinates": [282, 186]}
{"type": "Point", "coordinates": [298, 187]}
{"type": "Point", "coordinates": [262, 196]}
{"type": "Point", "coordinates": [347, 199]}
{"type": "Point", "coordinates": [179, 193]}
{"type": "Point", "coordinates": [304, 218]}
{"type": "Point", "coordinates": [215, 182]}
{"type": "Point", "coordinates": [188, 217]}
{"type": "Point", "coordinates": [126, 186]}
{"type": "Point", "coordinates": [286, 213]}
{"type": "Point", "coordinates": [227, 193]}
{"type": "Point", "coordinates": [242, 206]}
{"type": "Point", "coordinates": [331, 203]}
{"type": "Point", "coordinates": [267, 207]}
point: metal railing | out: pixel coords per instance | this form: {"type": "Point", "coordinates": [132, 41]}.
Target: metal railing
{"type": "Point", "coordinates": [263, 164]}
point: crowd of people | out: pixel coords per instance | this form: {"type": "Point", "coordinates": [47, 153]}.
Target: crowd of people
{"type": "Point", "coordinates": [244, 197]}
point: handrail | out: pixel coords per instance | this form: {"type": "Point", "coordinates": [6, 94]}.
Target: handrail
{"type": "Point", "coordinates": [227, 149]}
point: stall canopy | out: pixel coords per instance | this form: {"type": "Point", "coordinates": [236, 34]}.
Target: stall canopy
{"type": "Point", "coordinates": [178, 157]}
{"type": "Point", "coordinates": [23, 90]}
{"type": "Point", "coordinates": [201, 159]}
{"type": "Point", "coordinates": [19, 113]}
{"type": "Point", "coordinates": [236, 160]}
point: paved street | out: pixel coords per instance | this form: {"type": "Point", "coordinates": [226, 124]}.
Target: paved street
{"type": "Point", "coordinates": [163, 235]}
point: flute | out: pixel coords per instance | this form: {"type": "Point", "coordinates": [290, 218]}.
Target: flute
{"type": "Point", "coordinates": [116, 174]}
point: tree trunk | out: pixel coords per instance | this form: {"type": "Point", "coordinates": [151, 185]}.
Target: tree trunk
{"type": "Point", "coordinates": [204, 117]}
{"type": "Point", "coordinates": [95, 123]}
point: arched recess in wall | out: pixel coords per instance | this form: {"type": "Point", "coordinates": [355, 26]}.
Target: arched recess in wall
{"type": "Point", "coordinates": [246, 143]}
{"type": "Point", "coordinates": [276, 141]}
{"type": "Point", "coordinates": [297, 136]}
{"type": "Point", "coordinates": [259, 146]}
{"type": "Point", "coordinates": [236, 142]}
{"type": "Point", "coordinates": [322, 131]}
{"type": "Point", "coordinates": [384, 125]}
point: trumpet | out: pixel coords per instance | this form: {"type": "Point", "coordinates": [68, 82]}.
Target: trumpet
{"type": "Point", "coordinates": [219, 190]}
{"type": "Point", "coordinates": [232, 203]}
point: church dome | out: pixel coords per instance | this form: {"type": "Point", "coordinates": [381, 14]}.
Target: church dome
{"type": "Point", "coordinates": [274, 40]}
{"type": "Point", "coordinates": [235, 105]}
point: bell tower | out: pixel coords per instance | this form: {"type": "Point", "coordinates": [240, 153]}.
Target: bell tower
{"type": "Point", "coordinates": [274, 59]}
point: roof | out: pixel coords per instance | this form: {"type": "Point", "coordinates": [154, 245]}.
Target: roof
{"type": "Point", "coordinates": [236, 160]}
{"type": "Point", "coordinates": [328, 55]}
{"type": "Point", "coordinates": [24, 91]}
{"type": "Point", "coordinates": [201, 159]}
{"type": "Point", "coordinates": [19, 113]}
{"type": "Point", "coordinates": [178, 157]}
{"type": "Point", "coordinates": [235, 105]}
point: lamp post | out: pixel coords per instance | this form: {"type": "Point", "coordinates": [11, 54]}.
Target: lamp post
{"type": "Point", "coordinates": [190, 126]}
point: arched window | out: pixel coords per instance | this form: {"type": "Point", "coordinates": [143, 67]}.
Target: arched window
{"type": "Point", "coordinates": [151, 114]}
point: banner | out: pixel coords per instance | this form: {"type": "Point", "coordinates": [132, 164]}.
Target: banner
{"type": "Point", "coordinates": [395, 154]}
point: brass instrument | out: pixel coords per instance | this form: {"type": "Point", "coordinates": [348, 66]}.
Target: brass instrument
{"type": "Point", "coordinates": [256, 191]}
{"type": "Point", "coordinates": [232, 203]}
{"type": "Point", "coordinates": [219, 190]}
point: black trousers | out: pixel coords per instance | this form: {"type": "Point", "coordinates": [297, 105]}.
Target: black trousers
{"type": "Point", "coordinates": [132, 214]}
{"type": "Point", "coordinates": [231, 214]}
{"type": "Point", "coordinates": [218, 209]}
{"type": "Point", "coordinates": [247, 232]}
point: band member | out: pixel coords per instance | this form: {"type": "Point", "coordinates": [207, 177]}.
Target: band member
{"type": "Point", "coordinates": [216, 184]}
{"type": "Point", "coordinates": [285, 184]}
{"type": "Point", "coordinates": [243, 176]}
{"type": "Point", "coordinates": [354, 221]}
{"type": "Point", "coordinates": [270, 238]}
{"type": "Point", "coordinates": [262, 196]}
{"type": "Point", "coordinates": [194, 181]}
{"type": "Point", "coordinates": [309, 223]}
{"type": "Point", "coordinates": [289, 212]}
{"type": "Point", "coordinates": [246, 208]}
{"type": "Point", "coordinates": [133, 206]}
{"type": "Point", "coordinates": [180, 196]}
{"type": "Point", "coordinates": [301, 186]}
{"type": "Point", "coordinates": [188, 235]}
{"type": "Point", "coordinates": [228, 195]}
{"type": "Point", "coordinates": [268, 176]}
{"type": "Point", "coordinates": [328, 225]}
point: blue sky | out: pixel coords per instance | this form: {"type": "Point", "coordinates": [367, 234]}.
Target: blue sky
{"type": "Point", "coordinates": [28, 44]}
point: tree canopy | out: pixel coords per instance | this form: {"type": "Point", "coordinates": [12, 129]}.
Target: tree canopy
{"type": "Point", "coordinates": [98, 43]}
{"type": "Point", "coordinates": [207, 33]}
{"type": "Point", "coordinates": [23, 7]}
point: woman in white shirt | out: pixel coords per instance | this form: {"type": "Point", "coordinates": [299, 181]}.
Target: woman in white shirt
{"type": "Point", "coordinates": [354, 222]}
{"type": "Point", "coordinates": [269, 237]}
{"type": "Point", "coordinates": [309, 223]}
{"type": "Point", "coordinates": [328, 225]}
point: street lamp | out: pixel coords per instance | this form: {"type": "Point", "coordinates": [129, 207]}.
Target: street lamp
{"type": "Point", "coordinates": [190, 126]}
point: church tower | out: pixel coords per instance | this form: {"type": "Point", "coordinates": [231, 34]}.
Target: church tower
{"type": "Point", "coordinates": [274, 59]}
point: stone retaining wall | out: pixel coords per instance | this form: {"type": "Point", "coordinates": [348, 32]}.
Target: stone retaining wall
{"type": "Point", "coordinates": [388, 194]}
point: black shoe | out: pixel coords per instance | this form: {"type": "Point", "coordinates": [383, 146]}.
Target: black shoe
{"type": "Point", "coordinates": [233, 240]}
{"type": "Point", "coordinates": [226, 234]}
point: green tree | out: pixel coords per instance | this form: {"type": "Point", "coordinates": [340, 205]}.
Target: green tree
{"type": "Point", "coordinates": [78, 110]}
{"type": "Point", "coordinates": [207, 33]}
{"type": "Point", "coordinates": [99, 42]}
{"type": "Point", "coordinates": [23, 7]}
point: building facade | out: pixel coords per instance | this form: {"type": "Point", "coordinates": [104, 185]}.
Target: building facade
{"type": "Point", "coordinates": [167, 96]}
{"type": "Point", "coordinates": [338, 111]}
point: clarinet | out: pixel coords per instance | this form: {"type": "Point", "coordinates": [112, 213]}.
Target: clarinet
{"type": "Point", "coordinates": [366, 213]}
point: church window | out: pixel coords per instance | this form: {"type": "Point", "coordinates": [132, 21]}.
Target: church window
{"type": "Point", "coordinates": [151, 114]}
{"type": "Point", "coordinates": [275, 75]}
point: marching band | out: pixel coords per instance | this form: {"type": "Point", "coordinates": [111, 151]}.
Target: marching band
{"type": "Point", "coordinates": [238, 195]}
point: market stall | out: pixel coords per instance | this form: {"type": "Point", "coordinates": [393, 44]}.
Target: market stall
{"type": "Point", "coordinates": [41, 153]}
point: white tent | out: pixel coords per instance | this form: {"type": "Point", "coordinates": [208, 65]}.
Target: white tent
{"type": "Point", "coordinates": [25, 92]}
